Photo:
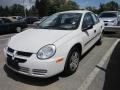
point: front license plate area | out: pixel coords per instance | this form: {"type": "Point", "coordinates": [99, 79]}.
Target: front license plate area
{"type": "Point", "coordinates": [13, 63]}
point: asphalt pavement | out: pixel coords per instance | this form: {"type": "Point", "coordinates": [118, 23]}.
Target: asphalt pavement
{"type": "Point", "coordinates": [109, 76]}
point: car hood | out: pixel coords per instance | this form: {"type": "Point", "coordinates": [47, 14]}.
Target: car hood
{"type": "Point", "coordinates": [108, 19]}
{"type": "Point", "coordinates": [33, 39]}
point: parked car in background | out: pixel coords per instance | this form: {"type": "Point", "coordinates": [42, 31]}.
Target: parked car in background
{"type": "Point", "coordinates": [17, 17]}
{"type": "Point", "coordinates": [30, 20]}
{"type": "Point", "coordinates": [38, 22]}
{"type": "Point", "coordinates": [110, 18]}
{"type": "Point", "coordinates": [7, 25]}
{"type": "Point", "coordinates": [56, 46]}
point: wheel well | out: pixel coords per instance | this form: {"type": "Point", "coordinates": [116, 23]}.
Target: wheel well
{"type": "Point", "coordinates": [78, 46]}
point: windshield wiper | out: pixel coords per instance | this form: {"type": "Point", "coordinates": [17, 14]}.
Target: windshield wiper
{"type": "Point", "coordinates": [54, 27]}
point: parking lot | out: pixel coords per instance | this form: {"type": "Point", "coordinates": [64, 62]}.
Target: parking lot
{"type": "Point", "coordinates": [89, 76]}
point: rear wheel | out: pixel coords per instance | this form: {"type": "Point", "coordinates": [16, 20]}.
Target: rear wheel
{"type": "Point", "coordinates": [99, 42]}
{"type": "Point", "coordinates": [72, 61]}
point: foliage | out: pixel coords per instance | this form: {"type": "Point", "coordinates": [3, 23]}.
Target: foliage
{"type": "Point", "coordinates": [42, 7]}
{"type": "Point", "coordinates": [48, 7]}
{"type": "Point", "coordinates": [17, 10]}
{"type": "Point", "coordinates": [110, 6]}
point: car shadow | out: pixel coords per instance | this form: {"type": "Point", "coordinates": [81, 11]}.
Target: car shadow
{"type": "Point", "coordinates": [112, 74]}
{"type": "Point", "coordinates": [112, 34]}
{"type": "Point", "coordinates": [30, 80]}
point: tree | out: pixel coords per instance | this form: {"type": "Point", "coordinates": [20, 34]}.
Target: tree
{"type": "Point", "coordinates": [101, 7]}
{"type": "Point", "coordinates": [110, 6]}
{"type": "Point", "coordinates": [48, 7]}
{"type": "Point", "coordinates": [16, 9]}
{"type": "Point", "coordinates": [93, 9]}
{"type": "Point", "coordinates": [1, 11]}
{"type": "Point", "coordinates": [113, 6]}
{"type": "Point", "coordinates": [70, 5]}
{"type": "Point", "coordinates": [32, 11]}
{"type": "Point", "coordinates": [42, 7]}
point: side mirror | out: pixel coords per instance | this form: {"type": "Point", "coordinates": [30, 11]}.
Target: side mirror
{"type": "Point", "coordinates": [87, 27]}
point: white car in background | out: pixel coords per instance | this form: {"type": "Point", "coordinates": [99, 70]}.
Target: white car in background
{"type": "Point", "coordinates": [56, 46]}
{"type": "Point", "coordinates": [110, 18]}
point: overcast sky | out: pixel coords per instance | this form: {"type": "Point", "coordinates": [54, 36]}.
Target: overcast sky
{"type": "Point", "coordinates": [82, 3]}
{"type": "Point", "coordinates": [26, 3]}
{"type": "Point", "coordinates": [96, 3]}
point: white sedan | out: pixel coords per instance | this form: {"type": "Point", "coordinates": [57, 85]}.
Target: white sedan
{"type": "Point", "coordinates": [110, 18]}
{"type": "Point", "coordinates": [56, 46]}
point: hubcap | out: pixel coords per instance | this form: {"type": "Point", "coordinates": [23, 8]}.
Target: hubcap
{"type": "Point", "coordinates": [74, 61]}
{"type": "Point", "coordinates": [18, 29]}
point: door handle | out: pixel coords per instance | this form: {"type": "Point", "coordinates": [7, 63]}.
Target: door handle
{"type": "Point", "coordinates": [94, 31]}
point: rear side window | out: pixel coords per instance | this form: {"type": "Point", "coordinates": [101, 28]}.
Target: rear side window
{"type": "Point", "coordinates": [95, 18]}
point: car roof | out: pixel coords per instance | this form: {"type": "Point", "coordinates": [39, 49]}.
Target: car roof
{"type": "Point", "coordinates": [109, 11]}
{"type": "Point", "coordinates": [75, 11]}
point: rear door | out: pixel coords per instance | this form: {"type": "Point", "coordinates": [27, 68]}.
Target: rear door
{"type": "Point", "coordinates": [97, 26]}
{"type": "Point", "coordinates": [89, 34]}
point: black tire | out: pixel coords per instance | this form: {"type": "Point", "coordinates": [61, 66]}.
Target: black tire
{"type": "Point", "coordinates": [68, 70]}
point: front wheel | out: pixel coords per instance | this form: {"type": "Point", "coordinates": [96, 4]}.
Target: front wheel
{"type": "Point", "coordinates": [99, 42]}
{"type": "Point", "coordinates": [72, 61]}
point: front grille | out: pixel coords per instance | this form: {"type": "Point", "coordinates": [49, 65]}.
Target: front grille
{"type": "Point", "coordinates": [39, 71]}
{"type": "Point", "coordinates": [20, 60]}
{"type": "Point", "coordinates": [10, 50]}
{"type": "Point", "coordinates": [19, 53]}
{"type": "Point", "coordinates": [27, 54]}
{"type": "Point", "coordinates": [105, 21]}
{"type": "Point", "coordinates": [12, 63]}
{"type": "Point", "coordinates": [24, 69]}
{"type": "Point", "coordinates": [8, 56]}
{"type": "Point", "coordinates": [15, 57]}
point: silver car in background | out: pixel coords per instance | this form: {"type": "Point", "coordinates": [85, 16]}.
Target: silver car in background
{"type": "Point", "coordinates": [110, 18]}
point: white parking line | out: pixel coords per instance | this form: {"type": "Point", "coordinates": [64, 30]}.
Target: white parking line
{"type": "Point", "coordinates": [87, 82]}
{"type": "Point", "coordinates": [6, 35]}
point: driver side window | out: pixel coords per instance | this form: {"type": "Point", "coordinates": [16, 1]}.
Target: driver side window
{"type": "Point", "coordinates": [88, 20]}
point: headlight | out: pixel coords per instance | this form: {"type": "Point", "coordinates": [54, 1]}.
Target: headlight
{"type": "Point", "coordinates": [46, 52]}
{"type": "Point", "coordinates": [113, 21]}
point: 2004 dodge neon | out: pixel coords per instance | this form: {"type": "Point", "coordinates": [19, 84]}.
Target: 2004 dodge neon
{"type": "Point", "coordinates": [56, 46]}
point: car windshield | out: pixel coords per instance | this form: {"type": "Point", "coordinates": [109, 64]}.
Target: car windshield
{"type": "Point", "coordinates": [62, 21]}
{"type": "Point", "coordinates": [109, 14]}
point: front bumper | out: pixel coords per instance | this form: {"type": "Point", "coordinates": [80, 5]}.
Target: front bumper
{"type": "Point", "coordinates": [110, 23]}
{"type": "Point", "coordinates": [35, 67]}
